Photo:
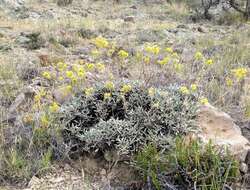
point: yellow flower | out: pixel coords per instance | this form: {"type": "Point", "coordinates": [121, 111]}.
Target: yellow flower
{"type": "Point", "coordinates": [44, 121]}
{"type": "Point", "coordinates": [169, 50]}
{"type": "Point", "coordinates": [110, 52]}
{"type": "Point", "coordinates": [193, 87]}
{"type": "Point", "coordinates": [151, 92]}
{"type": "Point", "coordinates": [81, 72]}
{"type": "Point", "coordinates": [42, 92]}
{"type": "Point", "coordinates": [54, 107]}
{"type": "Point", "coordinates": [100, 67]}
{"type": "Point", "coordinates": [60, 78]}
{"type": "Point", "coordinates": [156, 105]}
{"type": "Point", "coordinates": [126, 88]}
{"type": "Point", "coordinates": [198, 56]}
{"type": "Point", "coordinates": [123, 54]}
{"type": "Point", "coordinates": [239, 73]}
{"type": "Point", "coordinates": [229, 82]}
{"type": "Point", "coordinates": [37, 98]}
{"type": "Point", "coordinates": [209, 62]}
{"type": "Point", "coordinates": [90, 66]}
{"type": "Point", "coordinates": [70, 74]}
{"type": "Point", "coordinates": [164, 61]}
{"type": "Point", "coordinates": [110, 85]}
{"type": "Point", "coordinates": [154, 49]}
{"type": "Point", "coordinates": [147, 59]}
{"type": "Point", "coordinates": [204, 101]}
{"type": "Point", "coordinates": [184, 90]}
{"type": "Point", "coordinates": [61, 66]}
{"type": "Point", "coordinates": [46, 75]}
{"type": "Point", "coordinates": [74, 79]}
{"type": "Point", "coordinates": [89, 91]}
{"type": "Point", "coordinates": [107, 96]}
{"type": "Point", "coordinates": [101, 42]}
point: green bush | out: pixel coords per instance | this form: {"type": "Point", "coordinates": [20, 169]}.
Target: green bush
{"type": "Point", "coordinates": [188, 166]}
{"type": "Point", "coordinates": [127, 121]}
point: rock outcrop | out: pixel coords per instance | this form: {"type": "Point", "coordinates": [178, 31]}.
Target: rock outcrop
{"type": "Point", "coordinates": [220, 128]}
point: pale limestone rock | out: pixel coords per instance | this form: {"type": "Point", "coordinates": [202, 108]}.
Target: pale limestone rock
{"type": "Point", "coordinates": [220, 128]}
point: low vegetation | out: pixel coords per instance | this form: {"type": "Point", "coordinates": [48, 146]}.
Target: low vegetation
{"type": "Point", "coordinates": [189, 165]}
{"type": "Point", "coordinates": [92, 93]}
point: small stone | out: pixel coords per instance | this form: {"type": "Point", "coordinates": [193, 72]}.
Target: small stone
{"type": "Point", "coordinates": [103, 172]}
{"type": "Point", "coordinates": [129, 19]}
{"type": "Point", "coordinates": [182, 26]}
{"type": "Point", "coordinates": [201, 29]}
{"type": "Point", "coordinates": [243, 168]}
{"type": "Point", "coordinates": [34, 181]}
{"type": "Point", "coordinates": [133, 7]}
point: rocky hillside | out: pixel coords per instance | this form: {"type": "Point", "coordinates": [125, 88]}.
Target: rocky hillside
{"type": "Point", "coordinates": [104, 94]}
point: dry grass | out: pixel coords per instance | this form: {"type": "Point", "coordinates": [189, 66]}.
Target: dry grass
{"type": "Point", "coordinates": [228, 48]}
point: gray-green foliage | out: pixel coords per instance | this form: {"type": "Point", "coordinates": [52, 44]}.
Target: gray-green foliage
{"type": "Point", "coordinates": [126, 122]}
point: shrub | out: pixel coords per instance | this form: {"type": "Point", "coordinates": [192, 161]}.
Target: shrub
{"type": "Point", "coordinates": [188, 166]}
{"type": "Point", "coordinates": [126, 121]}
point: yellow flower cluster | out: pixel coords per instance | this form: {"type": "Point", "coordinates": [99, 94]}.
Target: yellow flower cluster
{"type": "Point", "coordinates": [44, 121]}
{"type": "Point", "coordinates": [61, 66]}
{"type": "Point", "coordinates": [229, 82]}
{"type": "Point", "coordinates": [100, 67]}
{"type": "Point", "coordinates": [185, 90]}
{"type": "Point", "coordinates": [151, 92]}
{"type": "Point", "coordinates": [169, 50]}
{"type": "Point", "coordinates": [107, 95]}
{"type": "Point", "coordinates": [239, 73]}
{"type": "Point", "coordinates": [123, 54]}
{"type": "Point", "coordinates": [198, 56]}
{"type": "Point", "coordinates": [54, 107]}
{"type": "Point", "coordinates": [126, 88]}
{"type": "Point", "coordinates": [203, 101]}
{"type": "Point", "coordinates": [194, 87]}
{"type": "Point", "coordinates": [164, 61]}
{"type": "Point", "coordinates": [154, 49]}
{"type": "Point", "coordinates": [209, 62]}
{"type": "Point", "coordinates": [110, 86]}
{"type": "Point", "coordinates": [89, 91]}
{"type": "Point", "coordinates": [101, 42]}
{"type": "Point", "coordinates": [46, 75]}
